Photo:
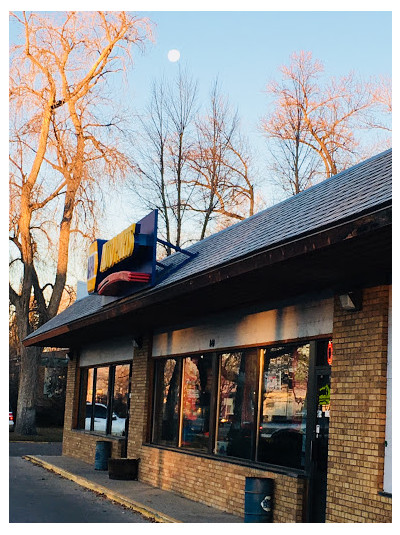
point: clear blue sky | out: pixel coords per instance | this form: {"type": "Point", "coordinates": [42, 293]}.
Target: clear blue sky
{"type": "Point", "coordinates": [245, 48]}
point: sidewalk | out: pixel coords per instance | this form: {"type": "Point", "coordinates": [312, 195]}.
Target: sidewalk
{"type": "Point", "coordinates": [157, 504]}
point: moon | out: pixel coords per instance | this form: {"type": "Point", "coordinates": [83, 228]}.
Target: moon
{"type": "Point", "coordinates": [174, 55]}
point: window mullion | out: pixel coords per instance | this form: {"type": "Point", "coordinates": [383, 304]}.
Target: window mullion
{"type": "Point", "coordinates": [180, 421]}
{"type": "Point", "coordinates": [214, 404]}
{"type": "Point", "coordinates": [217, 400]}
{"type": "Point", "coordinates": [111, 380]}
{"type": "Point", "coordinates": [258, 407]}
{"type": "Point", "coordinates": [93, 399]}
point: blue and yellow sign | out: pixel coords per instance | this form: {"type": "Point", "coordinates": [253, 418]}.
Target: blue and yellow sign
{"type": "Point", "coordinates": [95, 251]}
{"type": "Point", "coordinates": [133, 249]}
{"type": "Point", "coordinates": [118, 248]}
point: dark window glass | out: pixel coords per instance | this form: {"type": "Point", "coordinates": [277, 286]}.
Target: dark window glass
{"type": "Point", "coordinates": [100, 411]}
{"type": "Point", "coordinates": [166, 408]}
{"type": "Point", "coordinates": [322, 353]}
{"type": "Point", "coordinates": [282, 433]}
{"type": "Point", "coordinates": [120, 400]}
{"type": "Point", "coordinates": [197, 384]}
{"type": "Point", "coordinates": [238, 387]}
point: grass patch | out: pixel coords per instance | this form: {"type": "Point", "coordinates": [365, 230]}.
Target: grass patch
{"type": "Point", "coordinates": [43, 434]}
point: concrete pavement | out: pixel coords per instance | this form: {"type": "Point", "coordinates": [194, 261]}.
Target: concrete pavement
{"type": "Point", "coordinates": [154, 503]}
{"type": "Point", "coordinates": [41, 497]}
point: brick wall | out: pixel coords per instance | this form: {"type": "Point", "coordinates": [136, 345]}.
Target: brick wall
{"type": "Point", "coordinates": [140, 386]}
{"type": "Point", "coordinates": [358, 411]}
{"type": "Point", "coordinates": [218, 484]}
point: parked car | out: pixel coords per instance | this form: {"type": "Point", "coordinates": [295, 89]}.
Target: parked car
{"type": "Point", "coordinates": [11, 420]}
{"type": "Point", "coordinates": [100, 420]}
{"type": "Point", "coordinates": [281, 424]}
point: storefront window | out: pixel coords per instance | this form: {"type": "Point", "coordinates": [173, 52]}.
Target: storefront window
{"type": "Point", "coordinates": [166, 411]}
{"type": "Point", "coordinates": [110, 386]}
{"type": "Point", "coordinates": [197, 384]}
{"type": "Point", "coordinates": [248, 404]}
{"type": "Point", "coordinates": [238, 390]}
{"type": "Point", "coordinates": [282, 433]}
{"type": "Point", "coordinates": [120, 399]}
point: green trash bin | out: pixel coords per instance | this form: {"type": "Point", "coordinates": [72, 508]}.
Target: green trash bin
{"type": "Point", "coordinates": [258, 498]}
{"type": "Point", "coordinates": [103, 453]}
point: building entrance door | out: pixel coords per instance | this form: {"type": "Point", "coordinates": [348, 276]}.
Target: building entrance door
{"type": "Point", "coordinates": [319, 452]}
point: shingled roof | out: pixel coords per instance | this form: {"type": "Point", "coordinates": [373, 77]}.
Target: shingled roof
{"type": "Point", "coordinates": [360, 190]}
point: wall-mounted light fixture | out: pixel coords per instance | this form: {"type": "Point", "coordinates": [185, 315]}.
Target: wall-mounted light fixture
{"type": "Point", "coordinates": [351, 301]}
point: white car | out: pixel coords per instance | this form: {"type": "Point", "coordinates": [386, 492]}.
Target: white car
{"type": "Point", "coordinates": [100, 420]}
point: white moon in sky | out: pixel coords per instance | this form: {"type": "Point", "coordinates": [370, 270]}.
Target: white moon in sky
{"type": "Point", "coordinates": [174, 55]}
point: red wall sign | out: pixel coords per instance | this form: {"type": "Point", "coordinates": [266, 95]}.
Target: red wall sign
{"type": "Point", "coordinates": [329, 353]}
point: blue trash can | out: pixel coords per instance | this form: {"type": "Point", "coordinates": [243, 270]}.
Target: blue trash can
{"type": "Point", "coordinates": [258, 498]}
{"type": "Point", "coordinates": [103, 453]}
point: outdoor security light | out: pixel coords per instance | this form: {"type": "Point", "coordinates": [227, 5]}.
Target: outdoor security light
{"type": "Point", "coordinates": [350, 301]}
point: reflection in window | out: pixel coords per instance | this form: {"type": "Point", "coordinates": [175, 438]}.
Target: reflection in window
{"type": "Point", "coordinates": [238, 389]}
{"type": "Point", "coordinates": [120, 399]}
{"type": "Point", "coordinates": [282, 433]}
{"type": "Point", "coordinates": [102, 385]}
{"type": "Point", "coordinates": [197, 383]}
{"type": "Point", "coordinates": [101, 397]}
{"type": "Point", "coordinates": [166, 410]}
{"type": "Point", "coordinates": [89, 398]}
{"type": "Point", "coordinates": [106, 384]}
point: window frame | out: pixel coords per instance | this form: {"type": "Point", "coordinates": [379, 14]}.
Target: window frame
{"type": "Point", "coordinates": [83, 378]}
{"type": "Point", "coordinates": [215, 401]}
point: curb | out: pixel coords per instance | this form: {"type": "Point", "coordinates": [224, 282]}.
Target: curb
{"type": "Point", "coordinates": [144, 510]}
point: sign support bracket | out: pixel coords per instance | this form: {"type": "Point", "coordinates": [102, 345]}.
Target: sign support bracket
{"type": "Point", "coordinates": [176, 247]}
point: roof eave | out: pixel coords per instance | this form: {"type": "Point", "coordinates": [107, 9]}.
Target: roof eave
{"type": "Point", "coordinates": [361, 225]}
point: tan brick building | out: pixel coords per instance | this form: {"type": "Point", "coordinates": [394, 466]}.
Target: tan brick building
{"type": "Point", "coordinates": [262, 352]}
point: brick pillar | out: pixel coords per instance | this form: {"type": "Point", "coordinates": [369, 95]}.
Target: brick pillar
{"type": "Point", "coordinates": [70, 399]}
{"type": "Point", "coordinates": [139, 398]}
{"type": "Point", "coordinates": [358, 411]}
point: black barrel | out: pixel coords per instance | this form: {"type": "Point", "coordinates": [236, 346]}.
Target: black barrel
{"type": "Point", "coordinates": [103, 452]}
{"type": "Point", "coordinates": [258, 497]}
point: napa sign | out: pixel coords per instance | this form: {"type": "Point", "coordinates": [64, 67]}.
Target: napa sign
{"type": "Point", "coordinates": [126, 262]}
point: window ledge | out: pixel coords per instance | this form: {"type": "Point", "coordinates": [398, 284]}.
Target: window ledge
{"type": "Point", "coordinates": [291, 472]}
{"type": "Point", "coordinates": [385, 494]}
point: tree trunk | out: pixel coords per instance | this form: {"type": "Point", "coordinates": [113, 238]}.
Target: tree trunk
{"type": "Point", "coordinates": [27, 394]}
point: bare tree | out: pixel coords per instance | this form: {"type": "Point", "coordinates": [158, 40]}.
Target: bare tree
{"type": "Point", "coordinates": [59, 145]}
{"type": "Point", "coordinates": [323, 117]}
{"type": "Point", "coordinates": [152, 160]}
{"type": "Point", "coordinates": [181, 110]}
{"type": "Point", "coordinates": [220, 161]}
{"type": "Point", "coordinates": [161, 159]}
{"type": "Point", "coordinates": [294, 162]}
